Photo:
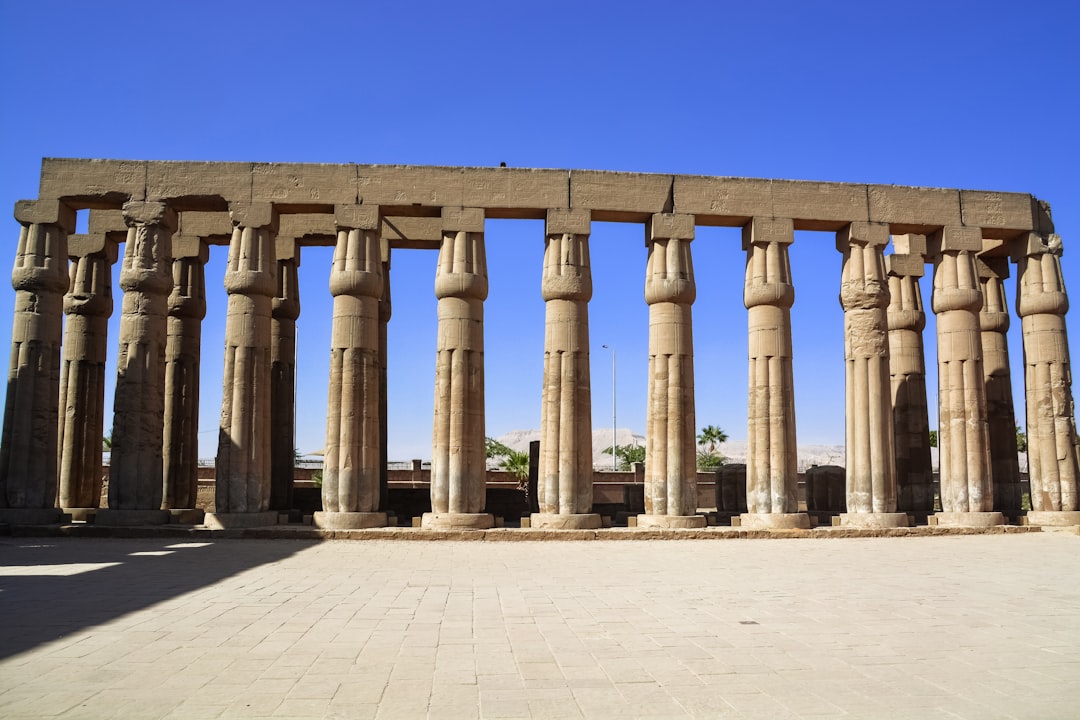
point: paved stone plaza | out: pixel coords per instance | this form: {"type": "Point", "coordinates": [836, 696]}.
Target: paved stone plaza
{"type": "Point", "coordinates": [982, 626]}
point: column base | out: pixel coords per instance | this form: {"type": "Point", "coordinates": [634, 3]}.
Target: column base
{"type": "Point", "coordinates": [1052, 518]}
{"type": "Point", "coordinates": [871, 520]}
{"type": "Point", "coordinates": [672, 521]}
{"type": "Point", "coordinates": [348, 520]}
{"type": "Point", "coordinates": [81, 514]}
{"type": "Point", "coordinates": [31, 516]}
{"type": "Point", "coordinates": [131, 518]}
{"type": "Point", "coordinates": [967, 519]}
{"type": "Point", "coordinates": [224, 520]}
{"type": "Point", "coordinates": [457, 521]}
{"type": "Point", "coordinates": [187, 516]}
{"type": "Point", "coordinates": [774, 521]}
{"type": "Point", "coordinates": [555, 521]}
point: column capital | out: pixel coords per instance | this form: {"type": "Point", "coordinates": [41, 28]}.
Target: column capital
{"type": "Point", "coordinates": [909, 244]}
{"type": "Point", "coordinates": [768, 230]}
{"type": "Point", "coordinates": [92, 244]}
{"type": "Point", "coordinates": [955, 238]}
{"type": "Point", "coordinates": [992, 267]}
{"type": "Point", "coordinates": [1032, 244]}
{"type": "Point", "coordinates": [357, 217]}
{"type": "Point", "coordinates": [865, 233]}
{"type": "Point", "coordinates": [138, 212]}
{"type": "Point", "coordinates": [190, 246]}
{"type": "Point", "coordinates": [287, 248]}
{"type": "Point", "coordinates": [905, 265]}
{"type": "Point", "coordinates": [254, 215]}
{"type": "Point", "coordinates": [669, 226]}
{"type": "Point", "coordinates": [462, 219]}
{"type": "Point", "coordinates": [568, 221]}
{"type": "Point", "coordinates": [45, 212]}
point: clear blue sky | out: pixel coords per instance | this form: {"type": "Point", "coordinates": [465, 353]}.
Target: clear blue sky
{"type": "Point", "coordinates": [950, 94]}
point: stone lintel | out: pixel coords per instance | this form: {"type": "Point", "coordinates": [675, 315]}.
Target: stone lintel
{"type": "Point", "coordinates": [412, 232]}
{"type": "Point", "coordinates": [909, 244]}
{"type": "Point", "coordinates": [998, 213]}
{"type": "Point", "coordinates": [92, 244]}
{"type": "Point", "coordinates": [45, 212]}
{"type": "Point", "coordinates": [956, 238]}
{"type": "Point", "coordinates": [903, 265]}
{"type": "Point", "coordinates": [669, 226]}
{"type": "Point", "coordinates": [140, 212]}
{"type": "Point", "coordinates": [569, 221]}
{"type": "Point", "coordinates": [106, 221]}
{"type": "Point", "coordinates": [768, 230]}
{"type": "Point", "coordinates": [253, 215]}
{"type": "Point", "coordinates": [462, 219]}
{"type": "Point", "coordinates": [618, 196]}
{"type": "Point", "coordinates": [185, 246]}
{"type": "Point", "coordinates": [204, 224]}
{"type": "Point", "coordinates": [992, 267]}
{"type": "Point", "coordinates": [357, 217]}
{"type": "Point", "coordinates": [874, 234]}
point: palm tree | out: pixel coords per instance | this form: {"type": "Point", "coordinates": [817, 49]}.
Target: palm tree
{"type": "Point", "coordinates": [711, 436]}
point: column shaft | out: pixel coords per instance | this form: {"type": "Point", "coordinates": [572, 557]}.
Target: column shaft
{"type": "Point", "coordinates": [285, 309]}
{"type": "Point", "coordinates": [28, 454]}
{"type": "Point", "coordinates": [385, 309]}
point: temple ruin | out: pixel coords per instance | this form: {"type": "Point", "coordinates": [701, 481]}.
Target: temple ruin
{"type": "Point", "coordinates": [167, 214]}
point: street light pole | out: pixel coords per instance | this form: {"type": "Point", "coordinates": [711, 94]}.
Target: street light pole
{"type": "Point", "coordinates": [614, 445]}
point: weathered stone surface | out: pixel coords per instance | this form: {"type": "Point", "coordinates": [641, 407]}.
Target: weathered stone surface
{"type": "Point", "coordinates": [284, 310]}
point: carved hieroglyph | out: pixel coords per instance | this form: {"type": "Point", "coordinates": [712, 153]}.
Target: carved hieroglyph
{"type": "Point", "coordinates": [88, 305]}
{"type": "Point", "coordinates": [1001, 420]}
{"type": "Point", "coordinates": [670, 448]}
{"type": "Point", "coordinates": [243, 459]}
{"type": "Point", "coordinates": [351, 479]}
{"type": "Point", "coordinates": [28, 454]}
{"type": "Point", "coordinates": [964, 438]}
{"type": "Point", "coordinates": [458, 459]}
{"type": "Point", "coordinates": [1051, 426]}
{"type": "Point", "coordinates": [135, 473]}
{"type": "Point", "coordinates": [564, 484]}
{"type": "Point", "coordinates": [284, 310]}
{"type": "Point", "coordinates": [864, 295]}
{"type": "Point", "coordinates": [907, 369]}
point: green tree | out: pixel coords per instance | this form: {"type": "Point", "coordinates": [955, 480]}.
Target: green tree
{"type": "Point", "coordinates": [627, 455]}
{"type": "Point", "coordinates": [514, 462]}
{"type": "Point", "coordinates": [710, 437]}
{"type": "Point", "coordinates": [933, 438]}
{"type": "Point", "coordinates": [1021, 440]}
{"type": "Point", "coordinates": [106, 442]}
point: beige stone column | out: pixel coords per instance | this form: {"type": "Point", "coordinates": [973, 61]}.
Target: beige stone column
{"type": "Point", "coordinates": [136, 467]}
{"type": "Point", "coordinates": [183, 353]}
{"type": "Point", "coordinates": [351, 473]}
{"type": "Point", "coordinates": [242, 495]}
{"type": "Point", "coordinates": [458, 461]}
{"type": "Point", "coordinates": [564, 488]}
{"type": "Point", "coordinates": [1051, 424]}
{"type": "Point", "coordinates": [385, 309]}
{"type": "Point", "coordinates": [772, 499]}
{"type": "Point", "coordinates": [907, 370]}
{"type": "Point", "coordinates": [284, 310]}
{"type": "Point", "coordinates": [864, 295]}
{"type": "Point", "coordinates": [88, 305]}
{"type": "Point", "coordinates": [967, 493]}
{"type": "Point", "coordinates": [28, 453]}
{"type": "Point", "coordinates": [670, 443]}
{"type": "Point", "coordinates": [1001, 420]}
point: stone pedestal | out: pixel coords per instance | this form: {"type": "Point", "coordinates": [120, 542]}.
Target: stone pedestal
{"type": "Point", "coordinates": [670, 441]}
{"type": "Point", "coordinates": [968, 519]}
{"type": "Point", "coordinates": [28, 452]}
{"type": "Point", "coordinates": [774, 521]}
{"type": "Point", "coordinates": [555, 521]}
{"type": "Point", "coordinates": [685, 522]}
{"type": "Point", "coordinates": [457, 521]}
{"type": "Point", "coordinates": [31, 516]}
{"type": "Point", "coordinates": [131, 518]}
{"type": "Point", "coordinates": [872, 520]}
{"type": "Point", "coordinates": [565, 479]}
{"type": "Point", "coordinates": [458, 459]}
{"type": "Point", "coordinates": [228, 520]}
{"type": "Point", "coordinates": [349, 520]}
{"type": "Point", "coordinates": [1052, 518]}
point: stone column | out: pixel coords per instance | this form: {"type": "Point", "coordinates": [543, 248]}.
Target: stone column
{"type": "Point", "coordinates": [88, 305]}
{"type": "Point", "coordinates": [458, 460]}
{"type": "Point", "coordinates": [284, 310]}
{"type": "Point", "coordinates": [384, 321]}
{"type": "Point", "coordinates": [772, 498]}
{"type": "Point", "coordinates": [351, 473]}
{"type": "Point", "coordinates": [670, 441]}
{"type": "Point", "coordinates": [242, 495]}
{"type": "Point", "coordinates": [136, 466]}
{"type": "Point", "coordinates": [907, 368]}
{"type": "Point", "coordinates": [183, 351]}
{"type": "Point", "coordinates": [864, 295]}
{"type": "Point", "coordinates": [994, 324]}
{"type": "Point", "coordinates": [1051, 425]}
{"type": "Point", "coordinates": [28, 453]}
{"type": "Point", "coordinates": [564, 487]}
{"type": "Point", "coordinates": [967, 493]}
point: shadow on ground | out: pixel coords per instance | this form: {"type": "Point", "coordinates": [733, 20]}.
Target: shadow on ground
{"type": "Point", "coordinates": [51, 587]}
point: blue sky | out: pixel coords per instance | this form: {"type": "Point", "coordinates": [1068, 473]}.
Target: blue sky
{"type": "Point", "coordinates": [949, 94]}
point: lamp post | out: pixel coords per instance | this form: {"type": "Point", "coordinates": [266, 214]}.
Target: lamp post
{"type": "Point", "coordinates": [614, 445]}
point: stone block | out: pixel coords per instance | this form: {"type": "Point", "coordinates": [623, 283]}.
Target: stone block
{"type": "Point", "coordinates": [93, 183]}
{"type": "Point", "coordinates": [955, 237]}
{"type": "Point", "coordinates": [916, 207]}
{"type": "Point", "coordinates": [909, 244]}
{"type": "Point", "coordinates": [876, 234]}
{"type": "Point", "coordinates": [1034, 243]}
{"type": "Point", "coordinates": [90, 244]}
{"type": "Point", "coordinates": [462, 219]}
{"type": "Point", "coordinates": [767, 230]}
{"type": "Point", "coordinates": [407, 186]}
{"type": "Point", "coordinates": [186, 246]}
{"type": "Point", "coordinates": [569, 221]}
{"type": "Point", "coordinates": [298, 184]}
{"type": "Point", "coordinates": [149, 213]}
{"type": "Point", "coordinates": [106, 221]}
{"type": "Point", "coordinates": [664, 226]}
{"type": "Point", "coordinates": [204, 224]}
{"type": "Point", "coordinates": [45, 212]}
{"type": "Point", "coordinates": [359, 217]}
{"type": "Point", "coordinates": [286, 248]}
{"type": "Point", "coordinates": [311, 228]}
{"type": "Point", "coordinates": [253, 215]}
{"type": "Point", "coordinates": [514, 189]}
{"type": "Point", "coordinates": [208, 186]}
{"type": "Point", "coordinates": [819, 205]}
{"type": "Point", "coordinates": [620, 197]}
{"type": "Point", "coordinates": [412, 232]}
{"type": "Point", "coordinates": [992, 267]}
{"type": "Point", "coordinates": [722, 201]}
{"type": "Point", "coordinates": [899, 265]}
{"type": "Point", "coordinates": [999, 214]}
